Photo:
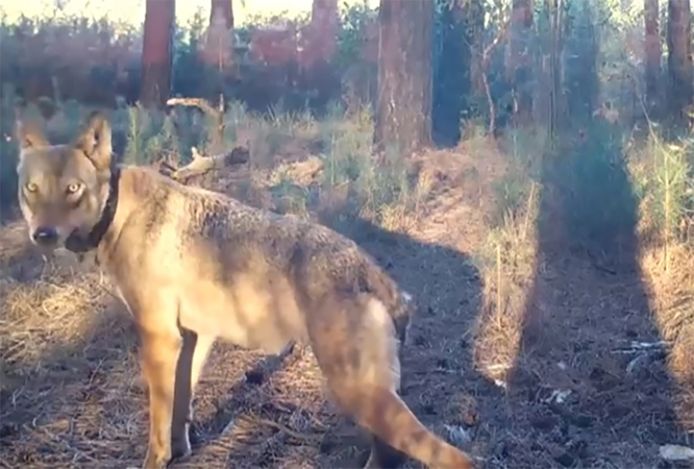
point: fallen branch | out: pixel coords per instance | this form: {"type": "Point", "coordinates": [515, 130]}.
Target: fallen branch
{"type": "Point", "coordinates": [203, 164]}
{"type": "Point", "coordinates": [199, 103]}
{"type": "Point", "coordinates": [637, 347]}
{"type": "Point", "coordinates": [285, 429]}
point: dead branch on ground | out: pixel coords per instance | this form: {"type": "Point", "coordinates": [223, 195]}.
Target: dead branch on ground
{"type": "Point", "coordinates": [199, 103]}
{"type": "Point", "coordinates": [203, 164]}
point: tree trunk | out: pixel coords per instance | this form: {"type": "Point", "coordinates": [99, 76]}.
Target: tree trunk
{"type": "Point", "coordinates": [580, 83]}
{"type": "Point", "coordinates": [403, 110]}
{"type": "Point", "coordinates": [218, 51]}
{"type": "Point", "coordinates": [451, 73]}
{"type": "Point", "coordinates": [475, 23]}
{"type": "Point", "coordinates": [653, 51]}
{"type": "Point", "coordinates": [457, 67]}
{"type": "Point", "coordinates": [325, 21]}
{"type": "Point", "coordinates": [679, 56]}
{"type": "Point", "coordinates": [316, 72]}
{"type": "Point", "coordinates": [520, 58]}
{"type": "Point", "coordinates": [157, 52]}
{"type": "Point", "coordinates": [222, 9]}
{"type": "Point", "coordinates": [557, 29]}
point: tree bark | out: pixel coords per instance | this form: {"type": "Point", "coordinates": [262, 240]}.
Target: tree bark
{"type": "Point", "coordinates": [679, 56]}
{"type": "Point", "coordinates": [223, 9]}
{"type": "Point", "coordinates": [157, 52]}
{"type": "Point", "coordinates": [452, 73]}
{"type": "Point", "coordinates": [325, 21]}
{"type": "Point", "coordinates": [520, 58]}
{"type": "Point", "coordinates": [475, 23]}
{"type": "Point", "coordinates": [403, 110]}
{"type": "Point", "coordinates": [557, 29]}
{"type": "Point", "coordinates": [578, 75]}
{"type": "Point", "coordinates": [219, 44]}
{"type": "Point", "coordinates": [652, 51]}
{"type": "Point", "coordinates": [317, 49]}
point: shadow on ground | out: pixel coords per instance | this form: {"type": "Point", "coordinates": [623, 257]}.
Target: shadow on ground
{"type": "Point", "coordinates": [588, 330]}
{"type": "Point", "coordinates": [439, 381]}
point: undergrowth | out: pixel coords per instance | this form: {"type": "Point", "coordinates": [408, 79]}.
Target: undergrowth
{"type": "Point", "coordinates": [663, 177]}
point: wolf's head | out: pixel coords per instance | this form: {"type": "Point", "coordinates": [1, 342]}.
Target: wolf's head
{"type": "Point", "coordinates": [63, 189]}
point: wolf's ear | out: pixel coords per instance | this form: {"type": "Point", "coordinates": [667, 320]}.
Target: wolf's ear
{"type": "Point", "coordinates": [29, 135]}
{"type": "Point", "coordinates": [95, 140]}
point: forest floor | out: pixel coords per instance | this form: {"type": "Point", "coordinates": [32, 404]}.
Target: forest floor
{"type": "Point", "coordinates": [575, 376]}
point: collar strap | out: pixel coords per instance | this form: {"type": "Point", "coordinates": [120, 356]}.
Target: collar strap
{"type": "Point", "coordinates": [75, 243]}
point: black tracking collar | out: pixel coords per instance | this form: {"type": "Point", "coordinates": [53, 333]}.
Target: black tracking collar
{"type": "Point", "coordinates": [79, 244]}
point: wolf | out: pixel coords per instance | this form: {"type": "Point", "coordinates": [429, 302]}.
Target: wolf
{"type": "Point", "coordinates": [193, 266]}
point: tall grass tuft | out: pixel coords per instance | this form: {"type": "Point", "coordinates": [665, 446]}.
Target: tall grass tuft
{"type": "Point", "coordinates": [663, 178]}
{"type": "Point", "coordinates": [151, 136]}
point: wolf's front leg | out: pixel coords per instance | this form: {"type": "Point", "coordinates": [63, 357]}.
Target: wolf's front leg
{"type": "Point", "coordinates": [159, 354]}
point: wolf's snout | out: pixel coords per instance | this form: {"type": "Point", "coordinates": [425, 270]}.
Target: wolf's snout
{"type": "Point", "coordinates": [45, 236]}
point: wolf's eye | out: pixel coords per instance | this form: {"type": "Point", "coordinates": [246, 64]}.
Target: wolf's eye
{"type": "Point", "coordinates": [73, 187]}
{"type": "Point", "coordinates": [31, 187]}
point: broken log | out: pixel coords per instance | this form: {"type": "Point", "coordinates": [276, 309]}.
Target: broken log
{"type": "Point", "coordinates": [203, 164]}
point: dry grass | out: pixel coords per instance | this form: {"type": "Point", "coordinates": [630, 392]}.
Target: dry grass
{"type": "Point", "coordinates": [54, 309]}
{"type": "Point", "coordinates": [672, 295]}
{"type": "Point", "coordinates": [66, 356]}
{"type": "Point", "coordinates": [510, 261]}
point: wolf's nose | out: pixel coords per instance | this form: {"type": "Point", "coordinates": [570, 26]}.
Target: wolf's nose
{"type": "Point", "coordinates": [45, 235]}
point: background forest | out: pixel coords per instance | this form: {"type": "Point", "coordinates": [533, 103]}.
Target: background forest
{"type": "Point", "coordinates": [525, 167]}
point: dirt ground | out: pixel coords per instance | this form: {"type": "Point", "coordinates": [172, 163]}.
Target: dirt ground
{"type": "Point", "coordinates": [578, 392]}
